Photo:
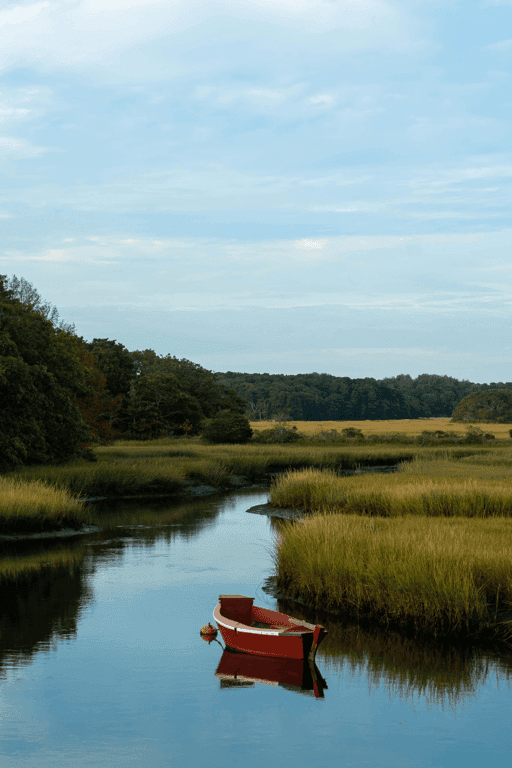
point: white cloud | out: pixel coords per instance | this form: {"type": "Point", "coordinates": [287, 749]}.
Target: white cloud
{"type": "Point", "coordinates": [22, 13]}
{"type": "Point", "coordinates": [92, 34]}
{"type": "Point", "coordinates": [20, 146]}
{"type": "Point", "coordinates": [322, 98]}
{"type": "Point", "coordinates": [310, 245]}
{"type": "Point", "coordinates": [502, 45]}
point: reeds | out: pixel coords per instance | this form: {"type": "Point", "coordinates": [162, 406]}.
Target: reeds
{"type": "Point", "coordinates": [421, 488]}
{"type": "Point", "coordinates": [441, 576]}
{"type": "Point", "coordinates": [37, 506]}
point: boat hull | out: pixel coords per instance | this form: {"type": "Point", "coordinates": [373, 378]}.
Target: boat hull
{"type": "Point", "coordinates": [278, 635]}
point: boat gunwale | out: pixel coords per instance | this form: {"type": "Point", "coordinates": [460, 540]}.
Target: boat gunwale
{"type": "Point", "coordinates": [245, 628]}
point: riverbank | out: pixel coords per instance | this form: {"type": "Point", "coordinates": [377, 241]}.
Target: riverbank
{"type": "Point", "coordinates": [444, 577]}
{"type": "Point", "coordinates": [427, 548]}
{"type": "Point", "coordinates": [41, 498]}
{"type": "Point", "coordinates": [180, 469]}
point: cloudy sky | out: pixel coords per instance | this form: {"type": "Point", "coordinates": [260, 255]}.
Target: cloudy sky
{"type": "Point", "coordinates": [266, 185]}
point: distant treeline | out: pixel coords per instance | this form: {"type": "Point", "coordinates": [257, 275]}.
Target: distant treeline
{"type": "Point", "coordinates": [321, 397]}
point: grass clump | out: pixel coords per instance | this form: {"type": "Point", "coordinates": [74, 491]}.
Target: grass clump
{"type": "Point", "coordinates": [431, 488]}
{"type": "Point", "coordinates": [36, 506]}
{"type": "Point", "coordinates": [442, 576]}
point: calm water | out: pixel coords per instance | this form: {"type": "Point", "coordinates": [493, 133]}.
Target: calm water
{"type": "Point", "coordinates": [102, 664]}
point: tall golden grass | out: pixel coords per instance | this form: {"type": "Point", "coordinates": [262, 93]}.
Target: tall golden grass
{"type": "Point", "coordinates": [443, 576]}
{"type": "Point", "coordinates": [36, 506]}
{"type": "Point", "coordinates": [432, 488]}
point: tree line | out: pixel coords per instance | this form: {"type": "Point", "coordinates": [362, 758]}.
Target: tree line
{"type": "Point", "coordinates": [60, 395]}
{"type": "Point", "coordinates": [321, 397]}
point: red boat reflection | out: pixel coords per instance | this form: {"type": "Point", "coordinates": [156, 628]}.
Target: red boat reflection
{"type": "Point", "coordinates": [244, 670]}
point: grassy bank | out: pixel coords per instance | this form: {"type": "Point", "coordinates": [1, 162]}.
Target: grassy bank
{"type": "Point", "coordinates": [472, 486]}
{"type": "Point", "coordinates": [134, 468]}
{"type": "Point", "coordinates": [38, 506]}
{"type": "Point", "coordinates": [167, 466]}
{"type": "Point", "coordinates": [439, 576]}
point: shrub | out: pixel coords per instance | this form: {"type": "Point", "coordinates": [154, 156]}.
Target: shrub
{"type": "Point", "coordinates": [227, 427]}
{"type": "Point", "coordinates": [281, 433]}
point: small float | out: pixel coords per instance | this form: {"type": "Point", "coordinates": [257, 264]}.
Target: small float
{"type": "Point", "coordinates": [260, 631]}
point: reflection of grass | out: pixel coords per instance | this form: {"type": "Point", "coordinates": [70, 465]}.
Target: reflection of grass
{"type": "Point", "coordinates": [14, 566]}
{"type": "Point", "coordinates": [446, 576]}
{"type": "Point", "coordinates": [36, 506]}
{"type": "Point", "coordinates": [441, 674]}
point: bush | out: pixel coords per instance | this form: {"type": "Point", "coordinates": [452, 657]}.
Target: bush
{"type": "Point", "coordinates": [227, 427]}
{"type": "Point", "coordinates": [281, 433]}
{"type": "Point", "coordinates": [489, 406]}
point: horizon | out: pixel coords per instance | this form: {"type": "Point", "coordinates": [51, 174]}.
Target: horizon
{"type": "Point", "coordinates": [286, 187]}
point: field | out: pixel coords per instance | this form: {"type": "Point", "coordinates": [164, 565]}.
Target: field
{"type": "Point", "coordinates": [410, 427]}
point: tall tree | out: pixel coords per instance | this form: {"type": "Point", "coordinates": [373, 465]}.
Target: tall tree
{"type": "Point", "coordinates": [40, 377]}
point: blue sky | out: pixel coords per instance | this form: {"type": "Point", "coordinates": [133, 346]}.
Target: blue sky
{"type": "Point", "coordinates": [279, 186]}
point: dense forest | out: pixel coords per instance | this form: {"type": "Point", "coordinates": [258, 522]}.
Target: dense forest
{"type": "Point", "coordinates": [60, 395]}
{"type": "Point", "coordinates": [321, 397]}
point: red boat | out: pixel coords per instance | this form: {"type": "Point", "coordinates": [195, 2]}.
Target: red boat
{"type": "Point", "coordinates": [247, 628]}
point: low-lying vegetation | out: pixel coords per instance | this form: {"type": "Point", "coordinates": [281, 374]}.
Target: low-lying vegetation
{"type": "Point", "coordinates": [37, 506]}
{"type": "Point", "coordinates": [405, 432]}
{"type": "Point", "coordinates": [432, 488]}
{"type": "Point", "coordinates": [441, 576]}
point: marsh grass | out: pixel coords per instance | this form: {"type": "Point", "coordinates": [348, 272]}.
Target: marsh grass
{"type": "Point", "coordinates": [440, 576]}
{"type": "Point", "coordinates": [422, 487]}
{"type": "Point", "coordinates": [38, 506]}
{"type": "Point", "coordinates": [167, 466]}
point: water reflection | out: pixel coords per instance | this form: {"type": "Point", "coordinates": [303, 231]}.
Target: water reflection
{"type": "Point", "coordinates": [237, 670]}
{"type": "Point", "coordinates": [42, 592]}
{"type": "Point", "coordinates": [442, 675]}
{"type": "Point", "coordinates": [158, 519]}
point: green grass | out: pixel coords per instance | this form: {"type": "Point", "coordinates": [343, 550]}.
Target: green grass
{"type": "Point", "coordinates": [440, 576]}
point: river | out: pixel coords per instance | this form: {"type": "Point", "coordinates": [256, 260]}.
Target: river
{"type": "Point", "coordinates": [102, 664]}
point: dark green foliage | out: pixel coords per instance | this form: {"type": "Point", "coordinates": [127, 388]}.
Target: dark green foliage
{"type": "Point", "coordinates": [317, 397]}
{"type": "Point", "coordinates": [227, 427]}
{"type": "Point", "coordinates": [281, 433]}
{"type": "Point", "coordinates": [158, 407]}
{"type": "Point", "coordinates": [115, 363]}
{"type": "Point", "coordinates": [352, 432]}
{"type": "Point", "coordinates": [493, 406]}
{"type": "Point", "coordinates": [40, 376]}
{"type": "Point", "coordinates": [193, 379]}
